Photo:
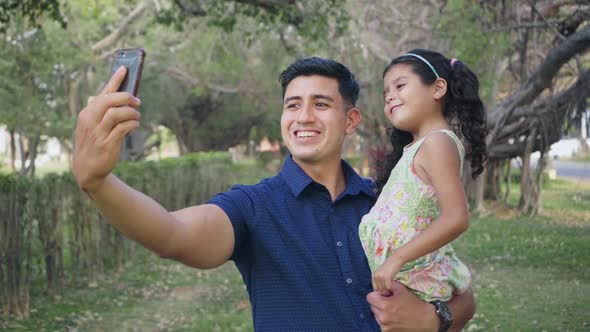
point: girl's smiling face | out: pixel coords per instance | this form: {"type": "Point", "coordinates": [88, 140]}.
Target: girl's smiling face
{"type": "Point", "coordinates": [408, 101]}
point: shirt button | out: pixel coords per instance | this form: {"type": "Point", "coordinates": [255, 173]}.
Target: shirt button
{"type": "Point", "coordinates": [362, 316]}
{"type": "Point", "coordinates": [339, 244]}
{"type": "Point", "coordinates": [349, 281]}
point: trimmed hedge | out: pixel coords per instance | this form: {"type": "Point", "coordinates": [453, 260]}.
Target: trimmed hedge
{"type": "Point", "coordinates": [49, 228]}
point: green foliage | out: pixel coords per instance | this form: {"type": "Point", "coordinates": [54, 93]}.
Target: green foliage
{"type": "Point", "coordinates": [461, 25]}
{"type": "Point", "coordinates": [236, 91]}
{"type": "Point", "coordinates": [310, 18]}
{"type": "Point", "coordinates": [236, 47]}
{"type": "Point", "coordinates": [266, 157]}
{"type": "Point", "coordinates": [354, 161]}
{"type": "Point", "coordinates": [33, 101]}
{"type": "Point", "coordinates": [33, 10]}
{"type": "Point", "coordinates": [249, 171]}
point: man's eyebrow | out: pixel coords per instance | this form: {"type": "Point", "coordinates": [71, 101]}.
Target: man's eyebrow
{"type": "Point", "coordinates": [322, 97]}
{"type": "Point", "coordinates": [317, 96]}
{"type": "Point", "coordinates": [288, 99]}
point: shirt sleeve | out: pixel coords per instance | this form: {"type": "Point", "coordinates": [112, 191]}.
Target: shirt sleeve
{"type": "Point", "coordinates": [238, 205]}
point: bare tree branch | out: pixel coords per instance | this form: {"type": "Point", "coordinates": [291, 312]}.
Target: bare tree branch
{"type": "Point", "coordinates": [551, 27]}
{"type": "Point", "coordinates": [551, 113]}
{"type": "Point", "coordinates": [540, 80]}
{"type": "Point", "coordinates": [531, 25]}
{"type": "Point", "coordinates": [271, 6]}
{"type": "Point", "coordinates": [117, 33]}
{"type": "Point", "coordinates": [191, 81]}
{"type": "Point", "coordinates": [191, 7]}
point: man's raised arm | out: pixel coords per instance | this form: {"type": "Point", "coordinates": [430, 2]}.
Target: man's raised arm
{"type": "Point", "coordinates": [200, 236]}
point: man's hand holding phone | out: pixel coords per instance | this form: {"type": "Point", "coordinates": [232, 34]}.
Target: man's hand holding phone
{"type": "Point", "coordinates": [100, 131]}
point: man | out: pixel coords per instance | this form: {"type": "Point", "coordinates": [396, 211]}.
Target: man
{"type": "Point", "coordinates": [293, 237]}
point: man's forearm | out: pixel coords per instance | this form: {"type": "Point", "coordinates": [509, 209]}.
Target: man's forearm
{"type": "Point", "coordinates": [463, 308]}
{"type": "Point", "coordinates": [134, 214]}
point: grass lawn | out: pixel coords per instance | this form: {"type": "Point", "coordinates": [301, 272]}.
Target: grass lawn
{"type": "Point", "coordinates": [530, 274]}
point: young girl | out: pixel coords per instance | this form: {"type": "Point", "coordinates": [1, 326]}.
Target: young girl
{"type": "Point", "coordinates": [422, 206]}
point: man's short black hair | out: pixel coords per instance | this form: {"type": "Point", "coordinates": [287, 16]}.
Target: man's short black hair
{"type": "Point", "coordinates": [347, 85]}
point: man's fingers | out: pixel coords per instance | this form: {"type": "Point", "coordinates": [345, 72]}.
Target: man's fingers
{"type": "Point", "coordinates": [102, 103]}
{"type": "Point", "coordinates": [115, 81]}
{"type": "Point", "coordinates": [117, 99]}
{"type": "Point", "coordinates": [375, 300]}
{"type": "Point", "coordinates": [114, 116]}
{"type": "Point", "coordinates": [121, 129]}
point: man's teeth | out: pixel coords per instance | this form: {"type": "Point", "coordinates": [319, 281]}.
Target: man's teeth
{"type": "Point", "coordinates": [307, 134]}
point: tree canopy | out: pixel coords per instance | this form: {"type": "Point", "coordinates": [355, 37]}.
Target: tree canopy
{"type": "Point", "coordinates": [212, 66]}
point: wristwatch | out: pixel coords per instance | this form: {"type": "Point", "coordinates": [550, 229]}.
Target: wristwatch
{"type": "Point", "coordinates": [444, 314]}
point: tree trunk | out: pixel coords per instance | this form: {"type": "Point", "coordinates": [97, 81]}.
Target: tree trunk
{"type": "Point", "coordinates": [23, 153]}
{"type": "Point", "coordinates": [507, 179]}
{"type": "Point", "coordinates": [584, 148]}
{"type": "Point", "coordinates": [28, 150]}
{"type": "Point", "coordinates": [30, 170]}
{"type": "Point", "coordinates": [479, 188]}
{"type": "Point", "coordinates": [537, 207]}
{"type": "Point", "coordinates": [526, 182]}
{"type": "Point", "coordinates": [492, 174]}
{"type": "Point", "coordinates": [73, 91]}
{"type": "Point", "coordinates": [12, 151]}
{"type": "Point", "coordinates": [133, 146]}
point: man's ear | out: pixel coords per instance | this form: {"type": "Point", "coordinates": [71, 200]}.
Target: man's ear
{"type": "Point", "coordinates": [353, 120]}
{"type": "Point", "coordinates": [440, 88]}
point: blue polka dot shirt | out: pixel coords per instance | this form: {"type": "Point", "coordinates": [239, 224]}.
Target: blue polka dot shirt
{"type": "Point", "coordinates": [299, 253]}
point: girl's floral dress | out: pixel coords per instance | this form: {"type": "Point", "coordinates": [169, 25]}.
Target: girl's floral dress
{"type": "Point", "coordinates": [406, 207]}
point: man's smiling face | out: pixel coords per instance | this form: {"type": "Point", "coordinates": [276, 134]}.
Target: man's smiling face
{"type": "Point", "coordinates": [315, 119]}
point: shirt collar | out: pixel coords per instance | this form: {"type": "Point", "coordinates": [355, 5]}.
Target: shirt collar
{"type": "Point", "coordinates": [297, 180]}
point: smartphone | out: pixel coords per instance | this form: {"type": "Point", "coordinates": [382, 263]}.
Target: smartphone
{"type": "Point", "coordinates": [132, 58]}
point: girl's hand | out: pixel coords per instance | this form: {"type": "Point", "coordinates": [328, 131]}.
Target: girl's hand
{"type": "Point", "coordinates": [383, 277]}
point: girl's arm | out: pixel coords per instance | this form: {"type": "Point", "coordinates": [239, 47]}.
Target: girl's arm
{"type": "Point", "coordinates": [437, 163]}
